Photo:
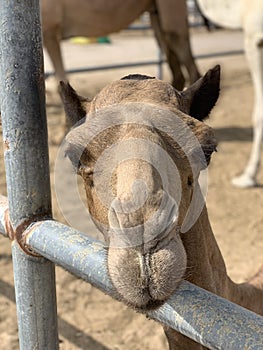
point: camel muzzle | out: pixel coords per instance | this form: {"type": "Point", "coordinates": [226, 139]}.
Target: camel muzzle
{"type": "Point", "coordinates": [132, 225]}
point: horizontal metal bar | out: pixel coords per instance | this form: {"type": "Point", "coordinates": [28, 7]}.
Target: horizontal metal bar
{"type": "Point", "coordinates": [206, 318]}
{"type": "Point", "coordinates": [211, 320]}
{"type": "Point", "coordinates": [219, 54]}
{"type": "Point", "coordinates": [143, 63]}
{"type": "Point", "coordinates": [200, 315]}
{"type": "Point", "coordinates": [73, 250]}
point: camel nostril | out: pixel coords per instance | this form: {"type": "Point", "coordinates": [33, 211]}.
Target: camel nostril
{"type": "Point", "coordinates": [122, 214]}
{"type": "Point", "coordinates": [130, 228]}
{"type": "Point", "coordinates": [125, 229]}
{"type": "Point", "coordinates": [113, 218]}
{"type": "Point", "coordinates": [125, 213]}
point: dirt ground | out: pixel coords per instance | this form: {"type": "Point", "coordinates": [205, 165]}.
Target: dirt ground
{"type": "Point", "coordinates": [88, 319]}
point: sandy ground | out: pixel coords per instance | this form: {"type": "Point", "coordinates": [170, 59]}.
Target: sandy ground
{"type": "Point", "coordinates": [88, 319]}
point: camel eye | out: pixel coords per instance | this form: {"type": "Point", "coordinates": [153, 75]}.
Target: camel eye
{"type": "Point", "coordinates": [190, 181]}
{"type": "Point", "coordinates": [87, 173]}
{"type": "Point", "coordinates": [208, 150]}
{"type": "Point", "coordinates": [85, 170]}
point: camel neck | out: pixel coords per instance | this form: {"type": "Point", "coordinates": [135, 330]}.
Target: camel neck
{"type": "Point", "coordinates": [206, 267]}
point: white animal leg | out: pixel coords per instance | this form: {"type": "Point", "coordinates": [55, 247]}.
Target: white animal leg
{"type": "Point", "coordinates": [254, 52]}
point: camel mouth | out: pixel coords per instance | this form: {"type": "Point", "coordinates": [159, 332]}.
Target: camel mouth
{"type": "Point", "coordinates": [150, 302]}
{"type": "Point", "coordinates": [151, 305]}
{"type": "Point", "coordinates": [146, 281]}
{"type": "Point", "coordinates": [147, 302]}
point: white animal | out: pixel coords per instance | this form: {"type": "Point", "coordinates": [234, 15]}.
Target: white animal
{"type": "Point", "coordinates": [246, 15]}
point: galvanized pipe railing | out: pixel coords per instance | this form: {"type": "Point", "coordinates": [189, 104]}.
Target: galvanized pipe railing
{"type": "Point", "coordinates": [202, 316]}
{"type": "Point", "coordinates": [27, 167]}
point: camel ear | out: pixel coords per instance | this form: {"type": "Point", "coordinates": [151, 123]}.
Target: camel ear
{"type": "Point", "coordinates": [199, 99]}
{"type": "Point", "coordinates": [75, 106]}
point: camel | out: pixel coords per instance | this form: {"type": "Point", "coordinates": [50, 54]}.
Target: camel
{"type": "Point", "coordinates": [141, 147]}
{"type": "Point", "coordinates": [246, 15]}
{"type": "Point", "coordinates": [63, 19]}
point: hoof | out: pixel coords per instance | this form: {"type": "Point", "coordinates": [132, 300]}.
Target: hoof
{"type": "Point", "coordinates": [244, 181]}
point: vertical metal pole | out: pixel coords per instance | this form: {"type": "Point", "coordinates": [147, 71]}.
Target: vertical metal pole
{"type": "Point", "coordinates": [27, 166]}
{"type": "Point", "coordinates": [35, 301]}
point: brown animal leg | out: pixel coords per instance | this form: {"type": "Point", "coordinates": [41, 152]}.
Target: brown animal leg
{"type": "Point", "coordinates": [176, 45]}
{"type": "Point", "coordinates": [174, 64]}
{"type": "Point", "coordinates": [178, 341]}
{"type": "Point", "coordinates": [180, 46]}
{"type": "Point", "coordinates": [178, 77]}
{"type": "Point", "coordinates": [51, 42]}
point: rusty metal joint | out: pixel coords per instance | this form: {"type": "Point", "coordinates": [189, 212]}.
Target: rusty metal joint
{"type": "Point", "coordinates": [24, 229]}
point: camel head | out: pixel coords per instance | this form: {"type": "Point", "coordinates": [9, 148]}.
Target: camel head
{"type": "Point", "coordinates": [140, 149]}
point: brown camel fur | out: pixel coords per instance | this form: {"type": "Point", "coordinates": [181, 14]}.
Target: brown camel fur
{"type": "Point", "coordinates": [62, 19]}
{"type": "Point", "coordinates": [140, 151]}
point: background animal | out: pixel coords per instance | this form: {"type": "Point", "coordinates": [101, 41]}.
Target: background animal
{"type": "Point", "coordinates": [62, 19]}
{"type": "Point", "coordinates": [140, 151]}
{"type": "Point", "coordinates": [247, 15]}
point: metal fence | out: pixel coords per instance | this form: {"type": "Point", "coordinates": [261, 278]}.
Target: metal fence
{"type": "Point", "coordinates": [39, 241]}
